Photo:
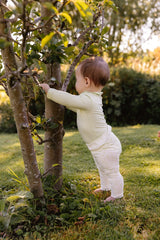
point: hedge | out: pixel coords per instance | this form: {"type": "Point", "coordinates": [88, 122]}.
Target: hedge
{"type": "Point", "coordinates": [130, 97]}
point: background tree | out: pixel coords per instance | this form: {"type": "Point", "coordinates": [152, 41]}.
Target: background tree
{"type": "Point", "coordinates": [127, 26]}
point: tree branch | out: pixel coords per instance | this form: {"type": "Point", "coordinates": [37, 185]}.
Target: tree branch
{"type": "Point", "coordinates": [3, 5]}
{"type": "Point", "coordinates": [76, 60]}
{"type": "Point", "coordinates": [82, 35]}
{"type": "Point", "coordinates": [7, 37]}
{"type": "Point", "coordinates": [50, 18]}
{"type": "Point", "coordinates": [25, 32]}
{"type": "Point", "coordinates": [82, 52]}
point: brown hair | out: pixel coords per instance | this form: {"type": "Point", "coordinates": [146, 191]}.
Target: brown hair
{"type": "Point", "coordinates": [96, 69]}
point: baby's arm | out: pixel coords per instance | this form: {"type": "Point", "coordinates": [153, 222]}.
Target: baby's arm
{"type": "Point", "coordinates": [73, 102]}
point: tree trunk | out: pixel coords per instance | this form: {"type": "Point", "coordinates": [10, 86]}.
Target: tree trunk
{"type": "Point", "coordinates": [55, 114]}
{"type": "Point", "coordinates": [20, 112]}
{"type": "Point", "coordinates": [54, 136]}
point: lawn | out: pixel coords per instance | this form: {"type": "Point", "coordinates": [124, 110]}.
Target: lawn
{"type": "Point", "coordinates": [81, 214]}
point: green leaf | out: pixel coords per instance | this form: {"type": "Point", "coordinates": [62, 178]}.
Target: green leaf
{"type": "Point", "coordinates": [83, 8]}
{"type": "Point", "coordinates": [69, 50]}
{"type": "Point", "coordinates": [83, 5]}
{"type": "Point", "coordinates": [80, 9]}
{"type": "Point", "coordinates": [46, 39]}
{"type": "Point", "coordinates": [55, 9]}
{"type": "Point", "coordinates": [105, 30]}
{"type": "Point", "coordinates": [17, 218]}
{"type": "Point", "coordinates": [67, 16]}
{"type": "Point", "coordinates": [12, 199]}
{"type": "Point", "coordinates": [8, 14]}
{"type": "Point", "coordinates": [64, 38]}
{"type": "Point", "coordinates": [38, 119]}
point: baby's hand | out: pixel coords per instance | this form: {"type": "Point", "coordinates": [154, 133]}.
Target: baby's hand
{"type": "Point", "coordinates": [45, 87]}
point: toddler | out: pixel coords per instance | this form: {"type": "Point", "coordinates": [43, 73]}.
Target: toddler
{"type": "Point", "coordinates": [91, 76]}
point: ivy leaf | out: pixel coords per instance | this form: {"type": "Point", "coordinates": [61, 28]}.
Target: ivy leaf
{"type": "Point", "coordinates": [46, 39]}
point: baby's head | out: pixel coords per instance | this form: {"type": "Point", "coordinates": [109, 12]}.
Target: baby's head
{"type": "Point", "coordinates": [96, 69]}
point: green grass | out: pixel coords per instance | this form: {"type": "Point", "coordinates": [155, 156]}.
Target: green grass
{"type": "Point", "coordinates": [137, 216]}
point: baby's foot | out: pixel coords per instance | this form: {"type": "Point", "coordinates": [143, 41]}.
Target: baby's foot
{"type": "Point", "coordinates": [98, 190]}
{"type": "Point", "coordinates": [109, 199]}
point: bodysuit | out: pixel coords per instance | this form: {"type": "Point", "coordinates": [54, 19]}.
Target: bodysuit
{"type": "Point", "coordinates": [97, 134]}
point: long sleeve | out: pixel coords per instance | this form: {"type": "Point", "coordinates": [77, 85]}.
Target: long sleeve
{"type": "Point", "coordinates": [72, 102]}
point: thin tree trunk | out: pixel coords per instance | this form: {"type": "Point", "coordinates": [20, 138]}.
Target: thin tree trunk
{"type": "Point", "coordinates": [55, 114]}
{"type": "Point", "coordinates": [20, 113]}
{"type": "Point", "coordinates": [54, 136]}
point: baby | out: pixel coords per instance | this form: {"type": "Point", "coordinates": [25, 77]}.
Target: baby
{"type": "Point", "coordinates": [91, 76]}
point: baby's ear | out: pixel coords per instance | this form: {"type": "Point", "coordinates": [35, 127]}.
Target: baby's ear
{"type": "Point", "coordinates": [87, 81]}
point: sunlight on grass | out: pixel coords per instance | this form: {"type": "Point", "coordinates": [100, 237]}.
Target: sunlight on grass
{"type": "Point", "coordinates": [3, 96]}
{"type": "Point", "coordinates": [19, 164]}
{"type": "Point", "coordinates": [136, 126]}
{"type": "Point", "coordinates": [153, 170]}
{"type": "Point", "coordinates": [136, 216]}
{"type": "Point", "coordinates": [70, 134]}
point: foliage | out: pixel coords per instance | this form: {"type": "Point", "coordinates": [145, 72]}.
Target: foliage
{"type": "Point", "coordinates": [40, 36]}
{"type": "Point", "coordinates": [75, 212]}
{"type": "Point", "coordinates": [7, 123]}
{"type": "Point", "coordinates": [131, 97]}
{"type": "Point", "coordinates": [130, 20]}
{"type": "Point", "coordinates": [35, 47]}
{"type": "Point", "coordinates": [71, 206]}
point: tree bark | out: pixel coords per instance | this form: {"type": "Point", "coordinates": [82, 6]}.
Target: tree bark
{"type": "Point", "coordinates": [20, 112]}
{"type": "Point", "coordinates": [54, 136]}
{"type": "Point", "coordinates": [55, 114]}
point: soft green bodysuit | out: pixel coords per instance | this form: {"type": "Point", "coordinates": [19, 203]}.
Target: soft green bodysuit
{"type": "Point", "coordinates": [88, 106]}
{"type": "Point", "coordinates": [97, 134]}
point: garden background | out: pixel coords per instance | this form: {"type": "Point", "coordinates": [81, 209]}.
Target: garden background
{"type": "Point", "coordinates": [131, 101]}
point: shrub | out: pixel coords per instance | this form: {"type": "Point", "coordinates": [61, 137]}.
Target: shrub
{"type": "Point", "coordinates": [7, 123]}
{"type": "Point", "coordinates": [131, 97]}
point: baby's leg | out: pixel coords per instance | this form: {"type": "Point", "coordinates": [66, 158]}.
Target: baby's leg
{"type": "Point", "coordinates": [104, 180]}
{"type": "Point", "coordinates": [110, 177]}
{"type": "Point", "coordinates": [116, 187]}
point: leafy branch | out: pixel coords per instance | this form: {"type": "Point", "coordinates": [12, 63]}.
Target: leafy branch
{"type": "Point", "coordinates": [76, 60]}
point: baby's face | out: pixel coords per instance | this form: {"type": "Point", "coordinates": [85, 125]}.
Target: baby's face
{"type": "Point", "coordinates": [80, 82]}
